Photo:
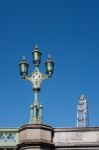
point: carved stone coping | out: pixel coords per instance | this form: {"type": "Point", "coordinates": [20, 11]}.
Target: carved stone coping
{"type": "Point", "coordinates": [36, 126]}
{"type": "Point", "coordinates": [9, 129]}
{"type": "Point", "coordinates": [80, 129]}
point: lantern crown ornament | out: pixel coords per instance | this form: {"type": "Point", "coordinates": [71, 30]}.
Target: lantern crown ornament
{"type": "Point", "coordinates": [36, 78]}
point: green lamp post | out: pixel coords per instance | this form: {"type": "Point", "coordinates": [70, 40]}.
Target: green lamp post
{"type": "Point", "coordinates": [36, 78]}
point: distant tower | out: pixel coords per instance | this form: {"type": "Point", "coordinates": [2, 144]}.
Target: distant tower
{"type": "Point", "coordinates": [82, 112]}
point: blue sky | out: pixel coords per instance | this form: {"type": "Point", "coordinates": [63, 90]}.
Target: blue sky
{"type": "Point", "coordinates": [67, 29]}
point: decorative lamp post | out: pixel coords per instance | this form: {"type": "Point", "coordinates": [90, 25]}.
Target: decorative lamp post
{"type": "Point", "coordinates": [36, 78]}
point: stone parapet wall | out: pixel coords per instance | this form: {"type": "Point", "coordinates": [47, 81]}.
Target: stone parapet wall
{"type": "Point", "coordinates": [76, 137]}
{"type": "Point", "coordinates": [9, 137]}
{"type": "Point", "coordinates": [43, 137]}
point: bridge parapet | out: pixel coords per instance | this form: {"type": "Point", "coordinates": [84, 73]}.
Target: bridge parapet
{"type": "Point", "coordinates": [9, 137]}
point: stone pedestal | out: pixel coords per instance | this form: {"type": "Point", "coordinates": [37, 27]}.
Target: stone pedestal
{"type": "Point", "coordinates": [36, 137]}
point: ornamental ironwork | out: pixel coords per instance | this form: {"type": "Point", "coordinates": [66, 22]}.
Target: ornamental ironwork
{"type": "Point", "coordinates": [36, 78]}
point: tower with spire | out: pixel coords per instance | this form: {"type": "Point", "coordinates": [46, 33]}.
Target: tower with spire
{"type": "Point", "coordinates": [82, 112]}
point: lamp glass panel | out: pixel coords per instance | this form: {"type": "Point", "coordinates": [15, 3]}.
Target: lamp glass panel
{"type": "Point", "coordinates": [49, 67]}
{"type": "Point", "coordinates": [36, 57]}
{"type": "Point", "coordinates": [23, 68]}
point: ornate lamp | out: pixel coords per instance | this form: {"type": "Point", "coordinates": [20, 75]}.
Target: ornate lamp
{"type": "Point", "coordinates": [23, 66]}
{"type": "Point", "coordinates": [36, 54]}
{"type": "Point", "coordinates": [49, 64]}
{"type": "Point", "coordinates": [36, 78]}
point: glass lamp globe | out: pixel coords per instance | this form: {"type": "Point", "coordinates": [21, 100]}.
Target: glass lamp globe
{"type": "Point", "coordinates": [36, 54]}
{"type": "Point", "coordinates": [23, 66]}
{"type": "Point", "coordinates": [49, 64]}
